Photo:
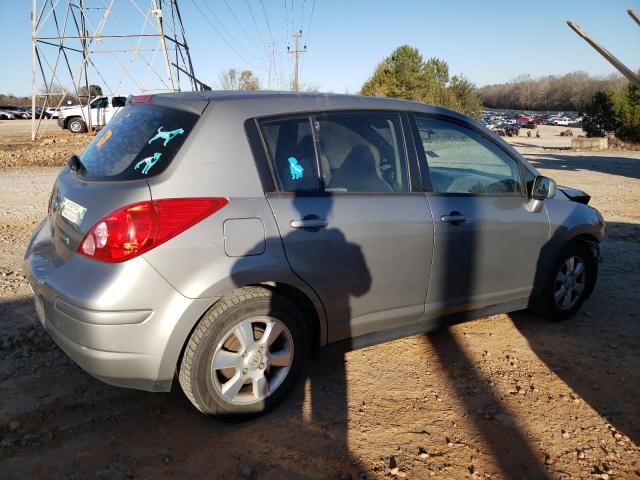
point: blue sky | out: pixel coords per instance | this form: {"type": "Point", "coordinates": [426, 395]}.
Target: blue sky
{"type": "Point", "coordinates": [489, 42]}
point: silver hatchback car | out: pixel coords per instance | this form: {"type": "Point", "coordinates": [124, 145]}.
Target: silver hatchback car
{"type": "Point", "coordinates": [222, 237]}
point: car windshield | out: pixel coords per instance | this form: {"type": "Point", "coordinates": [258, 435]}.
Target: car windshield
{"type": "Point", "coordinates": [140, 141]}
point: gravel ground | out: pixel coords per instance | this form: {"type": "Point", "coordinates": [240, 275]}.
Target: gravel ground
{"type": "Point", "coordinates": [499, 397]}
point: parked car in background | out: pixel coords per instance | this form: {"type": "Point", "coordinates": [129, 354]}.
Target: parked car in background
{"type": "Point", "coordinates": [6, 115]}
{"type": "Point", "coordinates": [53, 112]}
{"type": "Point", "coordinates": [40, 113]}
{"type": "Point", "coordinates": [19, 112]}
{"type": "Point", "coordinates": [101, 110]}
{"type": "Point", "coordinates": [225, 235]}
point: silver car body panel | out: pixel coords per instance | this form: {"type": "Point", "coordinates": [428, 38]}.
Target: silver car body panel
{"type": "Point", "coordinates": [127, 323]}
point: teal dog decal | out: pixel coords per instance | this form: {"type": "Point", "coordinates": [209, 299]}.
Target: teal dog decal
{"type": "Point", "coordinates": [295, 168]}
{"type": "Point", "coordinates": [168, 136]}
{"type": "Point", "coordinates": [148, 162]}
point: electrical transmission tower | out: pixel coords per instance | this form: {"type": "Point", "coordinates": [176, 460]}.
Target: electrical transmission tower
{"type": "Point", "coordinates": [125, 46]}
{"type": "Point", "coordinates": [296, 52]}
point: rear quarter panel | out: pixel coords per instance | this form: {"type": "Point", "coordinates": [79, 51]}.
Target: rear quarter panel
{"type": "Point", "coordinates": [216, 161]}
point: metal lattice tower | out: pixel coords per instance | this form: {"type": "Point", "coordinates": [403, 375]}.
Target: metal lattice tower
{"type": "Point", "coordinates": [144, 41]}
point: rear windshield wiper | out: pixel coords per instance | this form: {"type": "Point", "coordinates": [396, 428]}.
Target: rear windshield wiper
{"type": "Point", "coordinates": [75, 164]}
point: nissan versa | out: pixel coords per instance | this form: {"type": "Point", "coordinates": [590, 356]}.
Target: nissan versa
{"type": "Point", "coordinates": [222, 237]}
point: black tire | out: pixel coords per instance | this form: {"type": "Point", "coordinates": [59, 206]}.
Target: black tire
{"type": "Point", "coordinates": [195, 374]}
{"type": "Point", "coordinates": [77, 125]}
{"type": "Point", "coordinates": [545, 304]}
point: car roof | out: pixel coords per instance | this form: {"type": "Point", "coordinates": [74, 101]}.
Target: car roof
{"type": "Point", "coordinates": [262, 103]}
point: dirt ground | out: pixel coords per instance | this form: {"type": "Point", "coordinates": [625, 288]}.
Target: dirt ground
{"type": "Point", "coordinates": [500, 397]}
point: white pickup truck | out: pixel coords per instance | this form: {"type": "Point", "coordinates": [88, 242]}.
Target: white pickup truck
{"type": "Point", "coordinates": [101, 109]}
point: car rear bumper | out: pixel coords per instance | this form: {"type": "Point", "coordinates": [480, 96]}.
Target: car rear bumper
{"type": "Point", "coordinates": [122, 323]}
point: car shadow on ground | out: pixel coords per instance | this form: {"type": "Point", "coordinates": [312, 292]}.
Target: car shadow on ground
{"type": "Point", "coordinates": [622, 166]}
{"type": "Point", "coordinates": [63, 411]}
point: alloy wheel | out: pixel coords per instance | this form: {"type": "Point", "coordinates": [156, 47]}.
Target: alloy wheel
{"type": "Point", "coordinates": [252, 360]}
{"type": "Point", "coordinates": [570, 283]}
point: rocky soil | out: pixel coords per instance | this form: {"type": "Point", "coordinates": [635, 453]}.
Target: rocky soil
{"type": "Point", "coordinates": [500, 397]}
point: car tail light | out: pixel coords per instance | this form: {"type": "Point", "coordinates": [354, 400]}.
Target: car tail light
{"type": "Point", "coordinates": [135, 229]}
{"type": "Point", "coordinates": [141, 98]}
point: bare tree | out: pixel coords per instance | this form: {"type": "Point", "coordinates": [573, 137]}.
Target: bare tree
{"type": "Point", "coordinates": [572, 91]}
{"type": "Point", "coordinates": [233, 79]}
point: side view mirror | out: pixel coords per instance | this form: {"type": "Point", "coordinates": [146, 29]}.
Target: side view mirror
{"type": "Point", "coordinates": [543, 188]}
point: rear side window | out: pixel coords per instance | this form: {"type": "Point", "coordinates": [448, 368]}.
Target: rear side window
{"type": "Point", "coordinates": [292, 153]}
{"type": "Point", "coordinates": [141, 141]}
{"type": "Point", "coordinates": [362, 152]}
{"type": "Point", "coordinates": [100, 103]}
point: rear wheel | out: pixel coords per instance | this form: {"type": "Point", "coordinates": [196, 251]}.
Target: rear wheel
{"type": "Point", "coordinates": [568, 284]}
{"type": "Point", "coordinates": [245, 355]}
{"type": "Point", "coordinates": [77, 125]}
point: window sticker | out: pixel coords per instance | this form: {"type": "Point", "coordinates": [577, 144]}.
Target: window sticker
{"type": "Point", "coordinates": [295, 168]}
{"type": "Point", "coordinates": [148, 162]}
{"type": "Point", "coordinates": [167, 136]}
{"type": "Point", "coordinates": [105, 137]}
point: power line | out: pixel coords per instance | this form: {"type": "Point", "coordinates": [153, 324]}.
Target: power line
{"type": "Point", "coordinates": [208, 20]}
{"type": "Point", "coordinates": [313, 9]}
{"type": "Point", "coordinates": [273, 42]}
{"type": "Point", "coordinates": [266, 19]}
{"type": "Point", "coordinates": [229, 33]}
{"type": "Point", "coordinates": [302, 14]}
{"type": "Point", "coordinates": [293, 28]}
{"type": "Point", "coordinates": [240, 24]}
{"type": "Point", "coordinates": [286, 20]}
{"type": "Point", "coordinates": [255, 24]}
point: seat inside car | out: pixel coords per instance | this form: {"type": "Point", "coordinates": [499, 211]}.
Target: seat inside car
{"type": "Point", "coordinates": [359, 173]}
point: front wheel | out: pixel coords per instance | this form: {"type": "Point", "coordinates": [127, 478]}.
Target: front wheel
{"type": "Point", "coordinates": [245, 354]}
{"type": "Point", "coordinates": [569, 283]}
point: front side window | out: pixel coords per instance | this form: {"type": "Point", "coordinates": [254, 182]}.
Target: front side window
{"type": "Point", "coordinates": [118, 101]}
{"type": "Point", "coordinates": [292, 153]}
{"type": "Point", "coordinates": [362, 153]}
{"type": "Point", "coordinates": [463, 161]}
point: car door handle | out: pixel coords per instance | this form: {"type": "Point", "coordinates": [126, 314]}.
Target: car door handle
{"type": "Point", "coordinates": [454, 218]}
{"type": "Point", "coordinates": [309, 223]}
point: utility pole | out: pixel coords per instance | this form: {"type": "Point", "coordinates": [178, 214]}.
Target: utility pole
{"type": "Point", "coordinates": [33, 70]}
{"type": "Point", "coordinates": [296, 52]}
{"type": "Point", "coordinates": [608, 56]}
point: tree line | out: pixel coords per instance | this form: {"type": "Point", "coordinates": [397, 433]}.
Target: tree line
{"type": "Point", "coordinates": [614, 112]}
{"type": "Point", "coordinates": [572, 91]}
{"type": "Point", "coordinates": [54, 99]}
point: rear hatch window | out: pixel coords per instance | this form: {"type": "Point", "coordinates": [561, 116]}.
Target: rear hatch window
{"type": "Point", "coordinates": [139, 142]}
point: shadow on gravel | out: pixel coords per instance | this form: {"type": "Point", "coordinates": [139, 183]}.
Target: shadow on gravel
{"type": "Point", "coordinates": [612, 165]}
{"type": "Point", "coordinates": [506, 442]}
{"type": "Point", "coordinates": [596, 352]}
{"type": "Point", "coordinates": [109, 432]}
